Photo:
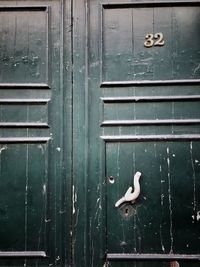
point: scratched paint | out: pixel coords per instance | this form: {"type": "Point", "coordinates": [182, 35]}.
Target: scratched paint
{"type": "Point", "coordinates": [74, 200]}
{"type": "Point", "coordinates": [139, 63]}
{"type": "Point", "coordinates": [25, 201]}
{"type": "Point", "coordinates": [27, 61]}
{"type": "Point", "coordinates": [194, 180]}
{"type": "Point", "coordinates": [170, 200]}
{"type": "Point", "coordinates": [40, 182]}
{"type": "Point", "coordinates": [2, 148]}
{"type": "Point", "coordinates": [153, 227]}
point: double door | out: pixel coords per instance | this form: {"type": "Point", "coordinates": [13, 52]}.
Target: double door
{"type": "Point", "coordinates": [93, 92]}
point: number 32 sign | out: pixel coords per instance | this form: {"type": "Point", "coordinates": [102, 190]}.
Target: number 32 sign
{"type": "Point", "coordinates": [154, 40]}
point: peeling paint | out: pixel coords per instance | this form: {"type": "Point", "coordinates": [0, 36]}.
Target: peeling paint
{"type": "Point", "coordinates": [106, 264]}
{"type": "Point", "coordinates": [44, 189]}
{"type": "Point", "coordinates": [197, 69]}
{"type": "Point", "coordinates": [74, 199]}
{"type": "Point", "coordinates": [58, 258]}
{"type": "Point", "coordinates": [94, 64]}
{"type": "Point", "coordinates": [3, 148]}
{"type": "Point", "coordinates": [194, 178]}
{"type": "Point", "coordinates": [170, 200]}
{"type": "Point", "coordinates": [196, 216]}
{"type": "Point", "coordinates": [42, 148]}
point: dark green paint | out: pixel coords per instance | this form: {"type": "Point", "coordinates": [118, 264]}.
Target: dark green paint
{"type": "Point", "coordinates": [161, 221]}
{"type": "Point", "coordinates": [124, 33]}
{"type": "Point", "coordinates": [35, 119]}
{"type": "Point", "coordinates": [69, 75]}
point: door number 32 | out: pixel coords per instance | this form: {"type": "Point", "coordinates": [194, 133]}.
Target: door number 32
{"type": "Point", "coordinates": [154, 40]}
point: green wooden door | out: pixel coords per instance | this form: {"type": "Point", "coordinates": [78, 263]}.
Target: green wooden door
{"type": "Point", "coordinates": [92, 92]}
{"type": "Point", "coordinates": [140, 103]}
{"type": "Point", "coordinates": [34, 169]}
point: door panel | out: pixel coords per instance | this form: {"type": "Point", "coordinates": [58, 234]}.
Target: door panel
{"type": "Point", "coordinates": [34, 212]}
{"type": "Point", "coordinates": [164, 219]}
{"type": "Point", "coordinates": [149, 111]}
{"type": "Point", "coordinates": [23, 172]}
{"type": "Point", "coordinates": [24, 42]}
{"type": "Point", "coordinates": [125, 57]}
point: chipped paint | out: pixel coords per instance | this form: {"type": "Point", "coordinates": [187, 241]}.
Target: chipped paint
{"type": "Point", "coordinates": [2, 148]}
{"type": "Point", "coordinates": [197, 70]}
{"type": "Point", "coordinates": [74, 200]}
{"type": "Point", "coordinates": [170, 200]}
{"type": "Point", "coordinates": [44, 189]}
{"type": "Point", "coordinates": [42, 148]}
{"type": "Point", "coordinates": [194, 178]}
{"type": "Point", "coordinates": [196, 216]}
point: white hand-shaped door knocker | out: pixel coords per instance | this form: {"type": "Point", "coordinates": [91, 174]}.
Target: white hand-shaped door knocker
{"type": "Point", "coordinates": [129, 195]}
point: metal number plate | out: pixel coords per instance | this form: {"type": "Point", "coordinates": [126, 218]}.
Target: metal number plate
{"type": "Point", "coordinates": [154, 40]}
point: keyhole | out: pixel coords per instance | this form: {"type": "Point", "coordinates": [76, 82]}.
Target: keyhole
{"type": "Point", "coordinates": [126, 212]}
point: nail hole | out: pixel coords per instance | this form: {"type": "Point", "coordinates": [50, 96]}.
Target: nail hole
{"type": "Point", "coordinates": [111, 179]}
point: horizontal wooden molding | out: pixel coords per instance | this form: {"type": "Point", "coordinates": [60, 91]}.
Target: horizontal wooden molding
{"type": "Point", "coordinates": [24, 86]}
{"type": "Point", "coordinates": [149, 82]}
{"type": "Point", "coordinates": [7, 140]}
{"type": "Point", "coordinates": [23, 254]}
{"type": "Point", "coordinates": [23, 8]}
{"type": "Point", "coordinates": [143, 138]}
{"type": "Point", "coordinates": [132, 256]}
{"type": "Point", "coordinates": [151, 3]}
{"type": "Point", "coordinates": [34, 101]}
{"type": "Point", "coordinates": [149, 122]}
{"type": "Point", "coordinates": [129, 99]}
{"type": "Point", "coordinates": [23, 125]}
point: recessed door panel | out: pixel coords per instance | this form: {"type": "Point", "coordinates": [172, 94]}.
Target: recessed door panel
{"type": "Point", "coordinates": [23, 197]}
{"type": "Point", "coordinates": [141, 42]}
{"type": "Point", "coordinates": [24, 44]}
{"type": "Point", "coordinates": [165, 217]}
